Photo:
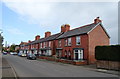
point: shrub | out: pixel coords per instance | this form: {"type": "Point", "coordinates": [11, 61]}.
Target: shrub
{"type": "Point", "coordinates": [108, 53]}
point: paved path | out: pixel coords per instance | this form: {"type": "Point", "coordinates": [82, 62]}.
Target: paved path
{"type": "Point", "coordinates": [34, 68]}
{"type": "Point", "coordinates": [7, 70]}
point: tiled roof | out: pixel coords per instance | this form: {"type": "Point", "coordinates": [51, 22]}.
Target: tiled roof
{"type": "Point", "coordinates": [77, 31]}
{"type": "Point", "coordinates": [52, 37]}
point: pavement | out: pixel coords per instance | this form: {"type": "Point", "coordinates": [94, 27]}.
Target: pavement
{"type": "Point", "coordinates": [7, 70]}
{"type": "Point", "coordinates": [93, 67]}
{"type": "Point", "coordinates": [90, 67]}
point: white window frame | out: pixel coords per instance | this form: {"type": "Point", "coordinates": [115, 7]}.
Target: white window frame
{"type": "Point", "coordinates": [43, 44]}
{"type": "Point", "coordinates": [49, 43]}
{"type": "Point", "coordinates": [69, 41]}
{"type": "Point", "coordinates": [40, 45]}
{"type": "Point", "coordinates": [78, 40]}
{"type": "Point", "coordinates": [65, 42]}
{"type": "Point", "coordinates": [59, 43]}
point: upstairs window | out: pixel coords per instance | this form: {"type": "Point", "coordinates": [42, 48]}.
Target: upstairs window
{"type": "Point", "coordinates": [65, 42]}
{"type": "Point", "coordinates": [49, 44]}
{"type": "Point", "coordinates": [44, 44]}
{"type": "Point", "coordinates": [59, 43]}
{"type": "Point", "coordinates": [40, 45]}
{"type": "Point", "coordinates": [69, 41]}
{"type": "Point", "coordinates": [77, 40]}
{"type": "Point", "coordinates": [36, 45]}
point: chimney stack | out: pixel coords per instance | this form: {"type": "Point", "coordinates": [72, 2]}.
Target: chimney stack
{"type": "Point", "coordinates": [65, 28]}
{"type": "Point", "coordinates": [47, 34]}
{"type": "Point", "coordinates": [97, 20]}
{"type": "Point", "coordinates": [29, 41]}
{"type": "Point", "coordinates": [62, 28]}
{"type": "Point", "coordinates": [37, 37]}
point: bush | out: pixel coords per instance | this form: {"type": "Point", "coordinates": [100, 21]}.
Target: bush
{"type": "Point", "coordinates": [108, 53]}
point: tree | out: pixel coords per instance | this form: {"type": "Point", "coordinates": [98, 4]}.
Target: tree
{"type": "Point", "coordinates": [12, 48]}
{"type": "Point", "coordinates": [1, 41]}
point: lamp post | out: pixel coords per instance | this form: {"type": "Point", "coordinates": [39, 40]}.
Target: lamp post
{"type": "Point", "coordinates": [1, 40]}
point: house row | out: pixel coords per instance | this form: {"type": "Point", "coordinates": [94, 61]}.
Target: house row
{"type": "Point", "coordinates": [69, 44]}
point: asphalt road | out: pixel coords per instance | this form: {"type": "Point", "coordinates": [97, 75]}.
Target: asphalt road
{"type": "Point", "coordinates": [37, 68]}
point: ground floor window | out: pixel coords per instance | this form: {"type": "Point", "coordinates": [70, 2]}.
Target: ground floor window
{"type": "Point", "coordinates": [59, 53]}
{"type": "Point", "coordinates": [78, 54]}
{"type": "Point", "coordinates": [48, 53]}
{"type": "Point", "coordinates": [45, 52]}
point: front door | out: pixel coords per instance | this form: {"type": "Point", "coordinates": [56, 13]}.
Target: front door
{"type": "Point", "coordinates": [76, 56]}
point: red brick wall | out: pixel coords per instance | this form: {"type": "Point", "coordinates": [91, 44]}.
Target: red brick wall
{"type": "Point", "coordinates": [84, 44]}
{"type": "Point", "coordinates": [96, 37]}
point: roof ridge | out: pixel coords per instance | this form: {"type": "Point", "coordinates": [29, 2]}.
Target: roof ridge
{"type": "Point", "coordinates": [81, 26]}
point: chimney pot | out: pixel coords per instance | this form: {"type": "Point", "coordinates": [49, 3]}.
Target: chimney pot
{"type": "Point", "coordinates": [37, 37]}
{"type": "Point", "coordinates": [29, 41]}
{"type": "Point", "coordinates": [97, 20]}
{"type": "Point", "coordinates": [47, 34]}
{"type": "Point", "coordinates": [65, 28]}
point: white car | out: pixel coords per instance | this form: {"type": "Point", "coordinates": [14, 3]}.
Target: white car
{"type": "Point", "coordinates": [13, 53]}
{"type": "Point", "coordinates": [23, 55]}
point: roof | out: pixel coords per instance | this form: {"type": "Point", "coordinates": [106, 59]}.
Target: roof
{"type": "Point", "coordinates": [52, 37]}
{"type": "Point", "coordinates": [80, 30]}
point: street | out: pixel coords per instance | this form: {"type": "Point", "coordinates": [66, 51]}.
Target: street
{"type": "Point", "coordinates": [40, 68]}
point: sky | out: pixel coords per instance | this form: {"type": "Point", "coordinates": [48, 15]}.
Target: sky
{"type": "Point", "coordinates": [22, 20]}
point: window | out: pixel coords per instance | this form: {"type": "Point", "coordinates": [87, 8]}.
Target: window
{"type": "Point", "coordinates": [36, 45]}
{"type": "Point", "coordinates": [40, 45]}
{"type": "Point", "coordinates": [69, 41]}
{"type": "Point", "coordinates": [76, 51]}
{"type": "Point", "coordinates": [59, 43]}
{"type": "Point", "coordinates": [65, 42]}
{"type": "Point", "coordinates": [49, 43]}
{"type": "Point", "coordinates": [44, 44]}
{"type": "Point", "coordinates": [77, 40]}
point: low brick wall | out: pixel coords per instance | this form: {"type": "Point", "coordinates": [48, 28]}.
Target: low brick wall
{"type": "Point", "coordinates": [112, 65]}
{"type": "Point", "coordinates": [64, 60]}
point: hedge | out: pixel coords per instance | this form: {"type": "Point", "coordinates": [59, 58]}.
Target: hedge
{"type": "Point", "coordinates": [108, 53]}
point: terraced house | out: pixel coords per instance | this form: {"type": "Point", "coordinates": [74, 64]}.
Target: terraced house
{"type": "Point", "coordinates": [22, 48]}
{"type": "Point", "coordinates": [74, 44]}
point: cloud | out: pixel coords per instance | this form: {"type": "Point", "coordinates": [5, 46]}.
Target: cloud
{"type": "Point", "coordinates": [15, 31]}
{"type": "Point", "coordinates": [53, 14]}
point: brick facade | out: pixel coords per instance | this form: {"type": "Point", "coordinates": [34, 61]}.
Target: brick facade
{"type": "Point", "coordinates": [76, 44]}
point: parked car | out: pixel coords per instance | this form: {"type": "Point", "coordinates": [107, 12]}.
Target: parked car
{"type": "Point", "coordinates": [13, 53]}
{"type": "Point", "coordinates": [4, 53]}
{"type": "Point", "coordinates": [31, 56]}
{"type": "Point", "coordinates": [23, 55]}
{"type": "Point", "coordinates": [19, 54]}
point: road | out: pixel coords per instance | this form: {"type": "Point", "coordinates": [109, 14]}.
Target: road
{"type": "Point", "coordinates": [40, 68]}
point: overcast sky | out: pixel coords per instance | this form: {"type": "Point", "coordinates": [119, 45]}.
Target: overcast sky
{"type": "Point", "coordinates": [23, 19]}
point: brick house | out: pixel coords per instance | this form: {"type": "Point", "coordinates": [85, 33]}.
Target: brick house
{"type": "Point", "coordinates": [22, 48]}
{"type": "Point", "coordinates": [80, 43]}
{"type": "Point", "coordinates": [76, 44]}
{"type": "Point", "coordinates": [47, 44]}
{"type": "Point", "coordinates": [33, 46]}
